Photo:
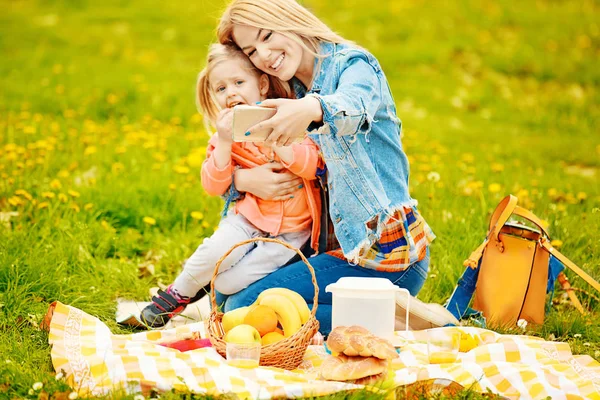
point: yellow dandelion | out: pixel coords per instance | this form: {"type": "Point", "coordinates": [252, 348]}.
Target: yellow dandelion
{"type": "Point", "coordinates": [205, 224]}
{"type": "Point", "coordinates": [545, 224]}
{"type": "Point", "coordinates": [197, 215]}
{"type": "Point", "coordinates": [73, 193]}
{"type": "Point", "coordinates": [48, 195]}
{"type": "Point", "coordinates": [552, 192]}
{"type": "Point", "coordinates": [497, 167]}
{"type": "Point", "coordinates": [112, 98]}
{"type": "Point", "coordinates": [556, 243]}
{"type": "Point", "coordinates": [149, 220]}
{"type": "Point", "coordinates": [494, 187]}
{"type": "Point", "coordinates": [88, 206]}
{"type": "Point", "coordinates": [63, 197]}
{"type": "Point", "coordinates": [523, 193]}
{"type": "Point", "coordinates": [105, 224]}
{"type": "Point", "coordinates": [160, 157]}
{"type": "Point", "coordinates": [581, 196]}
{"type": "Point", "coordinates": [120, 149]}
{"type": "Point", "coordinates": [468, 157]}
{"type": "Point", "coordinates": [15, 201]}
{"type": "Point", "coordinates": [561, 207]}
{"type": "Point", "coordinates": [181, 169]}
{"type": "Point", "coordinates": [55, 184]}
{"type": "Point", "coordinates": [43, 204]}
{"type": "Point", "coordinates": [172, 186]}
{"type": "Point", "coordinates": [24, 193]}
{"type": "Point", "coordinates": [63, 173]}
{"type": "Point", "coordinates": [75, 207]}
{"type": "Point", "coordinates": [196, 118]}
{"type": "Point", "coordinates": [90, 150]}
{"type": "Point", "coordinates": [117, 167]}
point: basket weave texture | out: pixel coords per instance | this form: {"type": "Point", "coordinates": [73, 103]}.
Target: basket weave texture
{"type": "Point", "coordinates": [286, 353]}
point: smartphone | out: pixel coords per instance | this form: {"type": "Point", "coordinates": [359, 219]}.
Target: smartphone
{"type": "Point", "coordinates": [245, 117]}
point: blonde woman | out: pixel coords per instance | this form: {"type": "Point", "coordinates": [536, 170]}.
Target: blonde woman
{"type": "Point", "coordinates": [344, 102]}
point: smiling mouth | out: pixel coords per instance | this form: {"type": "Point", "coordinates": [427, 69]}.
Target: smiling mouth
{"type": "Point", "coordinates": [235, 103]}
{"type": "Point", "coordinates": [277, 64]}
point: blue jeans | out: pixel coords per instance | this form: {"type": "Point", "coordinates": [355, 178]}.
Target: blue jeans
{"type": "Point", "coordinates": [328, 269]}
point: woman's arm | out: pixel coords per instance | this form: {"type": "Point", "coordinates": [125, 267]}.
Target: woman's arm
{"type": "Point", "coordinates": [347, 111]}
{"type": "Point", "coordinates": [269, 181]}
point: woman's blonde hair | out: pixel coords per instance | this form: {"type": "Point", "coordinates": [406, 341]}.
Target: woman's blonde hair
{"type": "Point", "coordinates": [205, 99]}
{"type": "Point", "coordinates": [286, 17]}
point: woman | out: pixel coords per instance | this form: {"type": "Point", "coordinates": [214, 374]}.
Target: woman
{"type": "Point", "coordinates": [344, 102]}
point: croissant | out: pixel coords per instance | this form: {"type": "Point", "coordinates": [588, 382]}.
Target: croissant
{"type": "Point", "coordinates": [358, 341]}
{"type": "Point", "coordinates": [344, 368]}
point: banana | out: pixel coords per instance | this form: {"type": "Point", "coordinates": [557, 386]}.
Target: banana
{"type": "Point", "coordinates": [288, 316]}
{"type": "Point", "coordinates": [294, 297]}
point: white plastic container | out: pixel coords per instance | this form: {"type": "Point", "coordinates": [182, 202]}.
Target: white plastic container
{"type": "Point", "coordinates": [367, 302]}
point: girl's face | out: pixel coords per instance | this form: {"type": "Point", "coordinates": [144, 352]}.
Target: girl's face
{"type": "Point", "coordinates": [232, 84]}
{"type": "Point", "coordinates": [273, 53]}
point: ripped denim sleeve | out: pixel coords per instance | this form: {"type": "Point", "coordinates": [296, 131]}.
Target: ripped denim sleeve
{"type": "Point", "coordinates": [351, 108]}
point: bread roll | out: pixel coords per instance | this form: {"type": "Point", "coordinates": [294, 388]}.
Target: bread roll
{"type": "Point", "coordinates": [344, 368]}
{"type": "Point", "coordinates": [358, 341]}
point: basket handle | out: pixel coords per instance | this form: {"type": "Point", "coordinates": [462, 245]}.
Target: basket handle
{"type": "Point", "coordinates": [213, 299]}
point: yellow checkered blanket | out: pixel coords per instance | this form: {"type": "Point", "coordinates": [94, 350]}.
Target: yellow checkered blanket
{"type": "Point", "coordinates": [97, 362]}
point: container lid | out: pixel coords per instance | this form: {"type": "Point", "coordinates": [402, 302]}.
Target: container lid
{"type": "Point", "coordinates": [362, 283]}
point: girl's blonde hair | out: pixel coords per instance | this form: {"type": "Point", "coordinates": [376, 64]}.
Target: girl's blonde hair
{"type": "Point", "coordinates": [286, 17]}
{"type": "Point", "coordinates": [205, 99]}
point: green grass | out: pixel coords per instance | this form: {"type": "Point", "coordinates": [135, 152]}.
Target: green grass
{"type": "Point", "coordinates": [98, 127]}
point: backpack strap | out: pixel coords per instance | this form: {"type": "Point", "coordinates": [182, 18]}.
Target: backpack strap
{"type": "Point", "coordinates": [499, 217]}
{"type": "Point", "coordinates": [501, 214]}
{"type": "Point", "coordinates": [570, 264]}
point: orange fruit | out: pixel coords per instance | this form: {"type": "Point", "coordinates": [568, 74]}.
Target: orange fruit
{"type": "Point", "coordinates": [262, 318]}
{"type": "Point", "coordinates": [271, 337]}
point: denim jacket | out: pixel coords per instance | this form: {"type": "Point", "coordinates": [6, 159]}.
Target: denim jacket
{"type": "Point", "coordinates": [367, 169]}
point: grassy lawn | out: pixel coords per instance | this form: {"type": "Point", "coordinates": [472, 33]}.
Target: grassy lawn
{"type": "Point", "coordinates": [100, 144]}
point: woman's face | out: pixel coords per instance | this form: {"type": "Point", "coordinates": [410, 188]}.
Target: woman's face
{"type": "Point", "coordinates": [271, 52]}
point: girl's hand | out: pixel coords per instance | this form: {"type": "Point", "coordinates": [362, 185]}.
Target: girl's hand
{"type": "Point", "coordinates": [268, 181]}
{"type": "Point", "coordinates": [291, 120]}
{"type": "Point", "coordinates": [224, 126]}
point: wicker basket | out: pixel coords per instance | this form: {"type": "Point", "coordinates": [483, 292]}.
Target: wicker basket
{"type": "Point", "coordinates": [286, 353]}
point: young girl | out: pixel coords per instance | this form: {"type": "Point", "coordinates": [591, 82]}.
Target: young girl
{"type": "Point", "coordinates": [343, 99]}
{"type": "Point", "coordinates": [230, 79]}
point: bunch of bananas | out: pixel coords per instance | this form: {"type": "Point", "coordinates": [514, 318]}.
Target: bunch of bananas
{"type": "Point", "coordinates": [291, 308]}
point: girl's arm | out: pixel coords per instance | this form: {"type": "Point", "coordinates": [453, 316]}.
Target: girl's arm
{"type": "Point", "coordinates": [216, 178]}
{"type": "Point", "coordinates": [302, 159]}
{"type": "Point", "coordinates": [218, 168]}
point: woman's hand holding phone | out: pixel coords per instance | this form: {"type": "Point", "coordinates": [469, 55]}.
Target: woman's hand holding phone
{"type": "Point", "coordinates": [291, 120]}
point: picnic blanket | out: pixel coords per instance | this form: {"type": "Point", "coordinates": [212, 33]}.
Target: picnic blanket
{"type": "Point", "coordinates": [97, 361]}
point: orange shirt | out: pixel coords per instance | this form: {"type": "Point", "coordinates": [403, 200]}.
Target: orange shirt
{"type": "Point", "coordinates": [274, 217]}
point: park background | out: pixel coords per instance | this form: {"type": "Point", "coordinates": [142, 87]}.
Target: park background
{"type": "Point", "coordinates": [101, 145]}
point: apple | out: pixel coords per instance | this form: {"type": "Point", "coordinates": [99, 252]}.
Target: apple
{"type": "Point", "coordinates": [234, 318]}
{"type": "Point", "coordinates": [243, 334]}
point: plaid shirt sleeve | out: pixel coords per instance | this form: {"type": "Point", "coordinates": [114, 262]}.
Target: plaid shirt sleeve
{"type": "Point", "coordinates": [403, 242]}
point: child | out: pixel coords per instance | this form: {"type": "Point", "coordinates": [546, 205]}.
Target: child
{"type": "Point", "coordinates": [230, 79]}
